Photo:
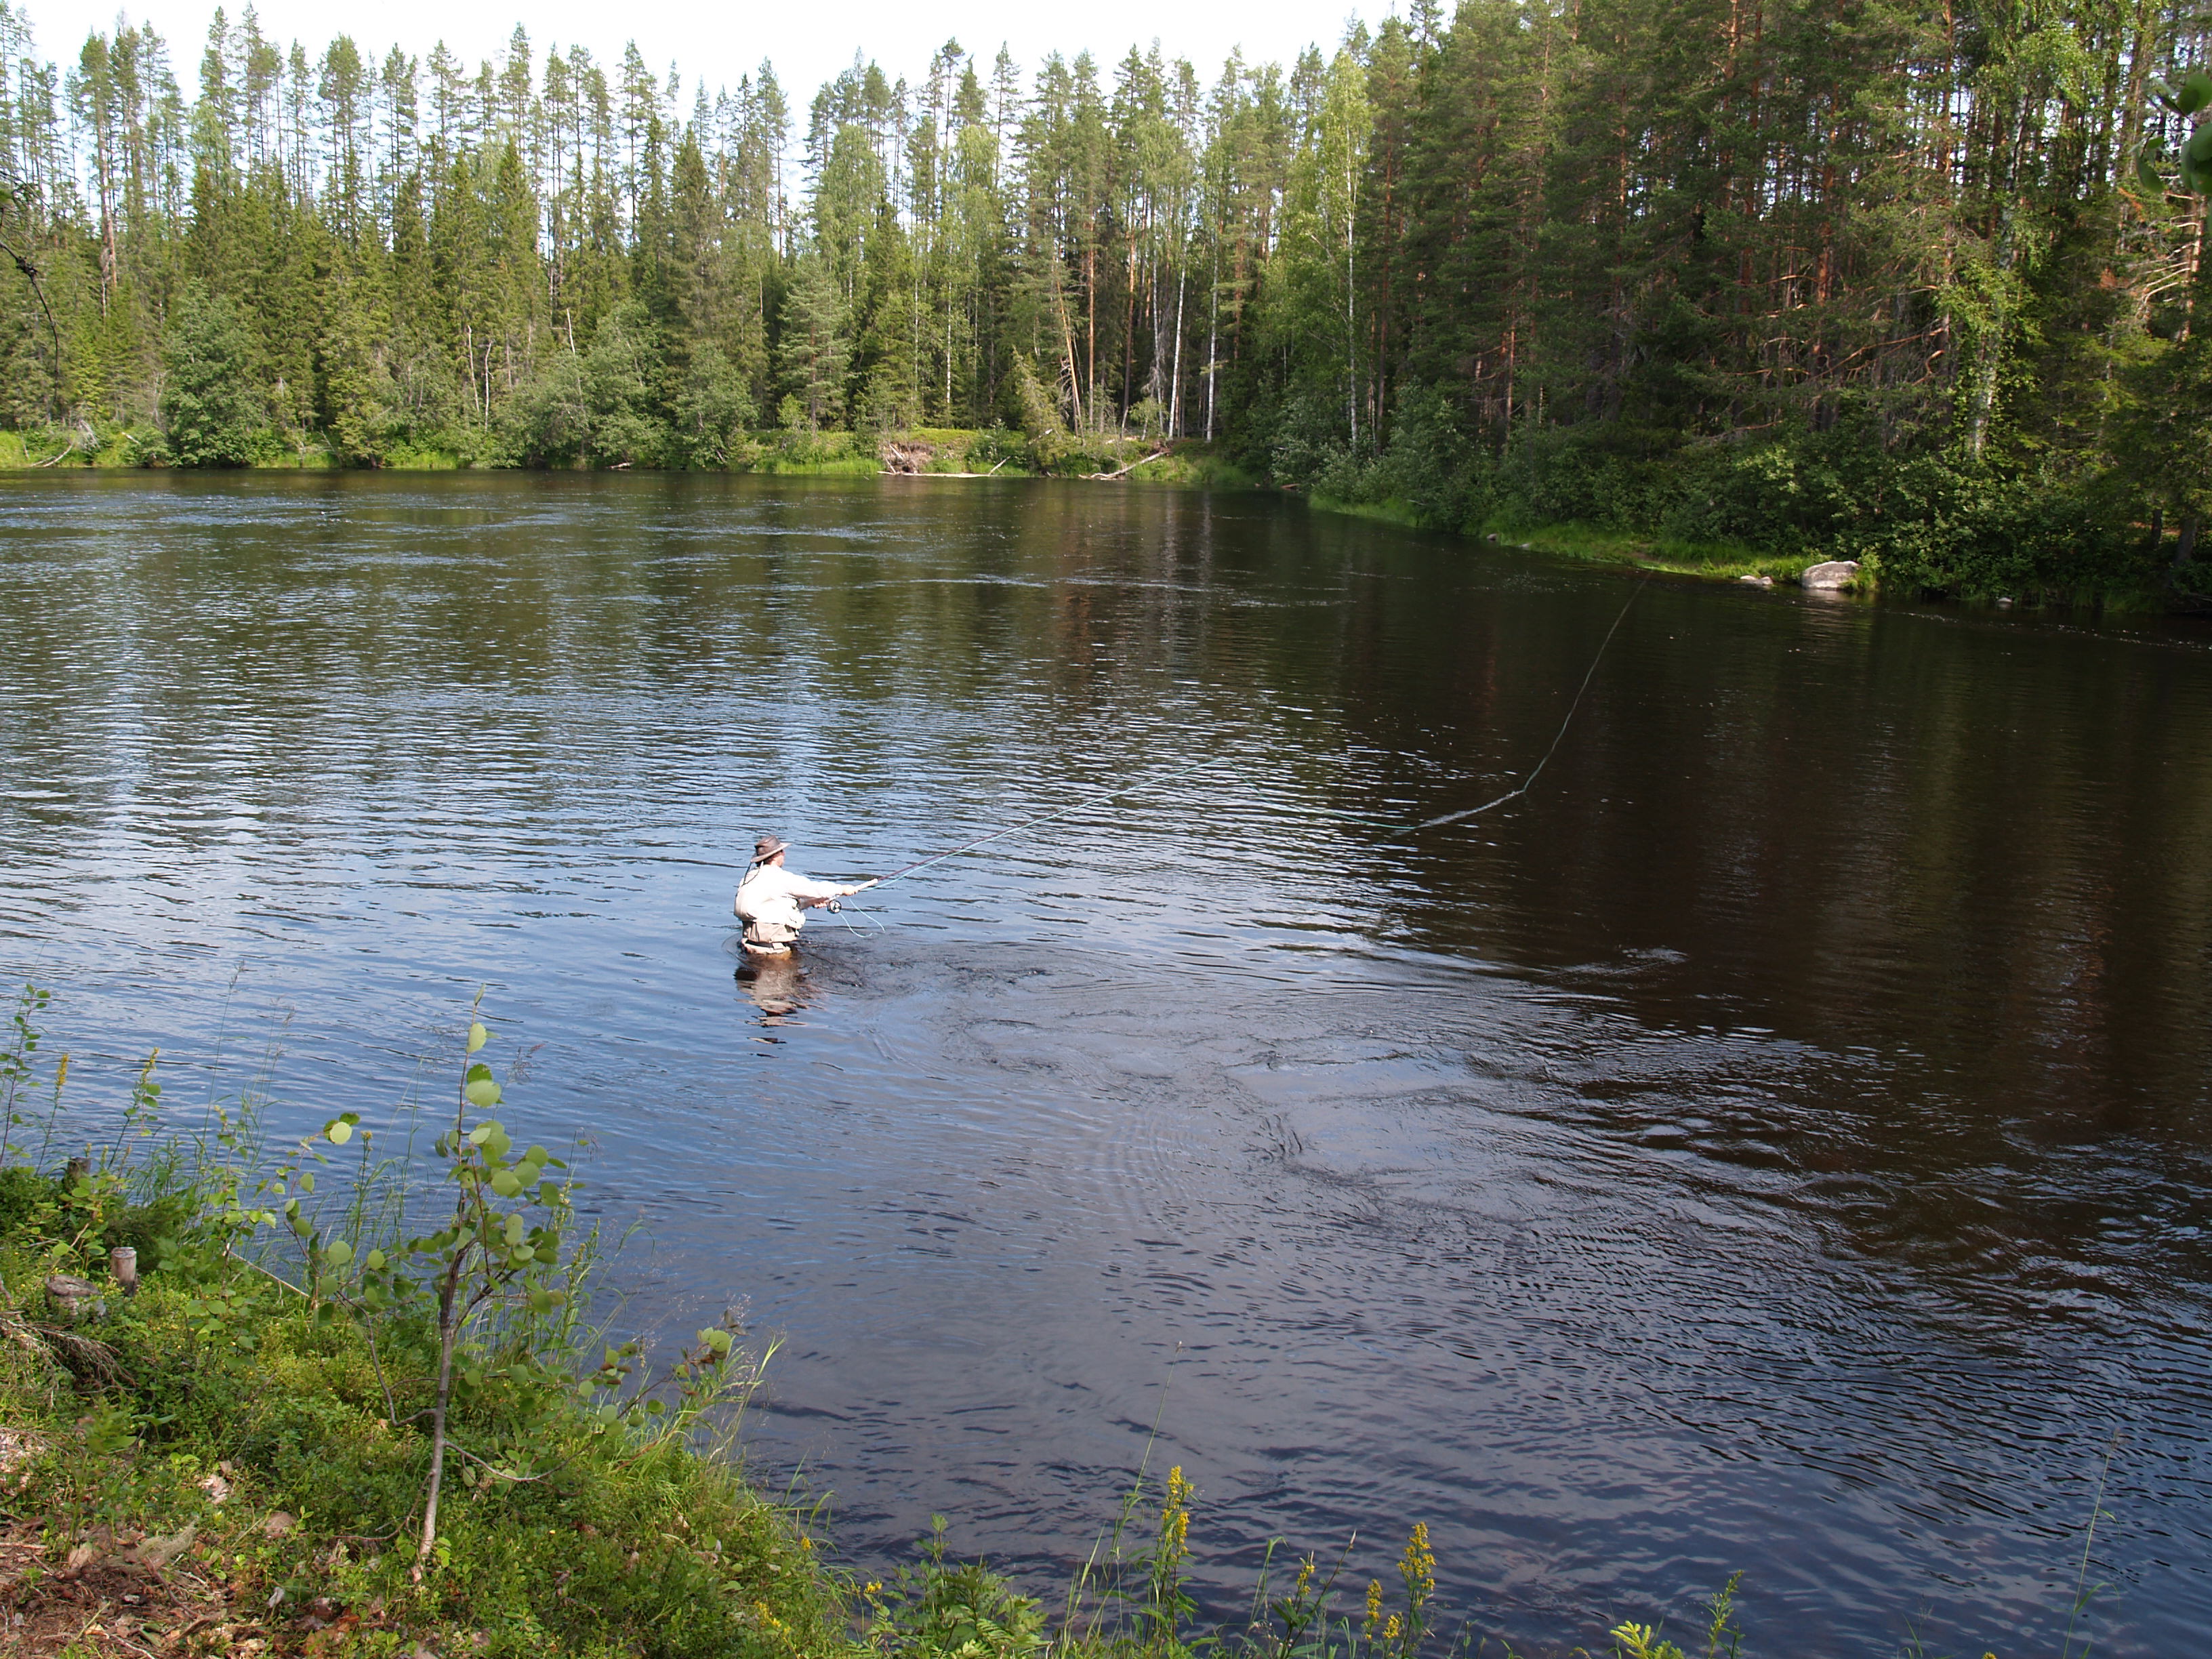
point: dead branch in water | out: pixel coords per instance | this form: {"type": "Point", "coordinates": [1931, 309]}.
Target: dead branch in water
{"type": "Point", "coordinates": [1118, 471]}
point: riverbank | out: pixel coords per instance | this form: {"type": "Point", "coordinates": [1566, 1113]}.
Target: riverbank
{"type": "Point", "coordinates": [974, 453]}
{"type": "Point", "coordinates": [244, 1412]}
{"type": "Point", "coordinates": [1599, 544]}
{"type": "Point", "coordinates": [232, 1401]}
{"type": "Point", "coordinates": [943, 452]}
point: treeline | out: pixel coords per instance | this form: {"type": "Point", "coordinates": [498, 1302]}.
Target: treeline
{"type": "Point", "coordinates": [1910, 277]}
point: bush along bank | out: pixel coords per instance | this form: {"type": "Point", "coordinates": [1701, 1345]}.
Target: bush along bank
{"type": "Point", "coordinates": [992, 452]}
{"type": "Point", "coordinates": [1932, 523]}
{"type": "Point", "coordinates": [238, 1423]}
{"type": "Point", "coordinates": [247, 1408]}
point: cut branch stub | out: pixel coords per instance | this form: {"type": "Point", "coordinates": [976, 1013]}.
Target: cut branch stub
{"type": "Point", "coordinates": [73, 1299]}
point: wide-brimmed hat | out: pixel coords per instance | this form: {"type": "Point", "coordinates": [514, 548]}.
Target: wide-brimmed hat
{"type": "Point", "coordinates": [768, 847]}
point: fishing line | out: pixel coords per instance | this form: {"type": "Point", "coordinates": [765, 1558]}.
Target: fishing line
{"type": "Point", "coordinates": [1094, 799]}
{"type": "Point", "coordinates": [1100, 797]}
{"type": "Point", "coordinates": [844, 912]}
{"type": "Point", "coordinates": [1580, 691]}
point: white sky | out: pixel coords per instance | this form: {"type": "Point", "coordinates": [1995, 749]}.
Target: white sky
{"type": "Point", "coordinates": [808, 41]}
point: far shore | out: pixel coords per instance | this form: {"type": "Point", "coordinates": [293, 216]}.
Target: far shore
{"type": "Point", "coordinates": [957, 454]}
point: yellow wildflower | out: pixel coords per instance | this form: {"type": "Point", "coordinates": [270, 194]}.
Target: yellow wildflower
{"type": "Point", "coordinates": [1175, 1521]}
{"type": "Point", "coordinates": [1374, 1603]}
{"type": "Point", "coordinates": [1418, 1566]}
{"type": "Point", "coordinates": [1390, 1628]}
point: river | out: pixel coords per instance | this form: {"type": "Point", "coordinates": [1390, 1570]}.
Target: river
{"type": "Point", "coordinates": [1778, 1143]}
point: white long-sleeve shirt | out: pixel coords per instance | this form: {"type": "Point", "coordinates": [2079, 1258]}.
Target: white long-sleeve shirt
{"type": "Point", "coordinates": [771, 893]}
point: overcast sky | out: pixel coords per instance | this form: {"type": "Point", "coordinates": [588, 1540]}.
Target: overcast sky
{"type": "Point", "coordinates": [808, 41]}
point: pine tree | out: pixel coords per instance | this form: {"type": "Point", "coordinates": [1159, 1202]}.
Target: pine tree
{"type": "Point", "coordinates": [812, 352]}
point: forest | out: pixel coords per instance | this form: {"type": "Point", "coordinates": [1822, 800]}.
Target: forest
{"type": "Point", "coordinates": [1906, 280]}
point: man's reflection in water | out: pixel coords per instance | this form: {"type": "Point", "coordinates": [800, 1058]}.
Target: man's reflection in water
{"type": "Point", "coordinates": [777, 987]}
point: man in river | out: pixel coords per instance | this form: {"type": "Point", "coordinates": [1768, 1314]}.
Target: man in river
{"type": "Point", "coordinates": [770, 898]}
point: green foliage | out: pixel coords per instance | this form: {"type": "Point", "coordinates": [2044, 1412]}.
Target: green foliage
{"type": "Point", "coordinates": [1030, 406]}
{"type": "Point", "coordinates": [17, 1061]}
{"type": "Point", "coordinates": [1634, 1641]}
{"type": "Point", "coordinates": [712, 409]}
{"type": "Point", "coordinates": [814, 348]}
{"type": "Point", "coordinates": [941, 1609]}
{"type": "Point", "coordinates": [359, 398]}
{"type": "Point", "coordinates": [211, 408]}
{"type": "Point", "coordinates": [2193, 154]}
{"type": "Point", "coordinates": [1933, 521]}
{"type": "Point", "coordinates": [598, 408]}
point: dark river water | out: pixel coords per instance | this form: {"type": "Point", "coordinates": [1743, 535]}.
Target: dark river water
{"type": "Point", "coordinates": [1778, 1143]}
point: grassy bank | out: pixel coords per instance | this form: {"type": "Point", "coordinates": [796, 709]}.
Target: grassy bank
{"type": "Point", "coordinates": [1603, 544]}
{"type": "Point", "coordinates": [247, 1408]}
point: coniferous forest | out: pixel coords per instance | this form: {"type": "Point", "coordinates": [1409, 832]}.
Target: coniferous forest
{"type": "Point", "coordinates": [1914, 279]}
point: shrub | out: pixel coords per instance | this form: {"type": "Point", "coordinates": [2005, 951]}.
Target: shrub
{"type": "Point", "coordinates": [212, 409]}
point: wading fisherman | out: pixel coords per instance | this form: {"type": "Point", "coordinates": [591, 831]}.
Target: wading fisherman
{"type": "Point", "coordinates": [770, 898]}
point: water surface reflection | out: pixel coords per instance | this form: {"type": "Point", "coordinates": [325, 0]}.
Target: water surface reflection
{"type": "Point", "coordinates": [1778, 1143]}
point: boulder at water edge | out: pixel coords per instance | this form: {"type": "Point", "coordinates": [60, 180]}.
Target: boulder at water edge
{"type": "Point", "coordinates": [1835, 573]}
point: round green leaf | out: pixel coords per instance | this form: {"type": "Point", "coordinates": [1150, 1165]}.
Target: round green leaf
{"type": "Point", "coordinates": [339, 1254]}
{"type": "Point", "coordinates": [340, 1133]}
{"type": "Point", "coordinates": [483, 1094]}
{"type": "Point", "coordinates": [515, 1230]}
{"type": "Point", "coordinates": [478, 1037]}
{"type": "Point", "coordinates": [507, 1183]}
{"type": "Point", "coordinates": [376, 1261]}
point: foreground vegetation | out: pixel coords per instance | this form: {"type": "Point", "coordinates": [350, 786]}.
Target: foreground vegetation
{"type": "Point", "coordinates": [1920, 285]}
{"type": "Point", "coordinates": [246, 1408]}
